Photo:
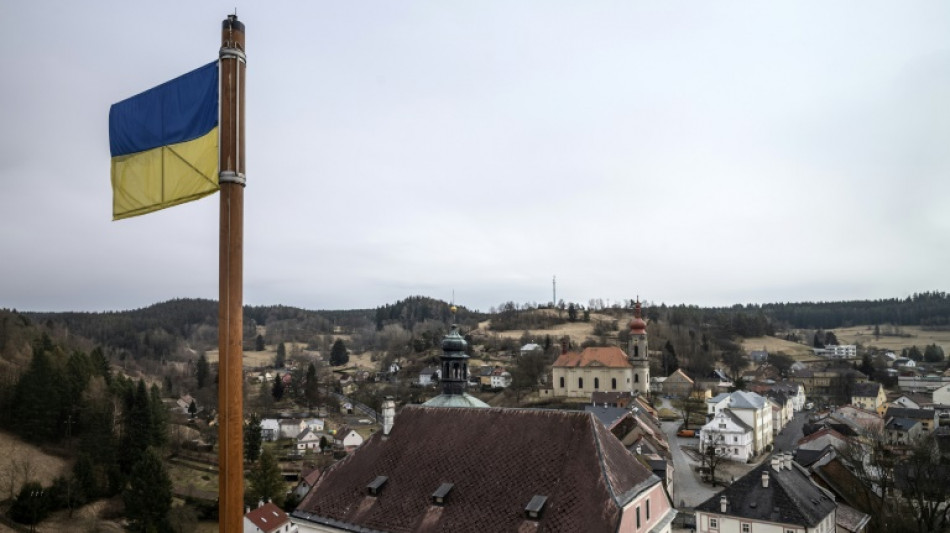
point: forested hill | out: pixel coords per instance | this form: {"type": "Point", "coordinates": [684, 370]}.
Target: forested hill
{"type": "Point", "coordinates": [164, 328]}
{"type": "Point", "coordinates": [922, 309]}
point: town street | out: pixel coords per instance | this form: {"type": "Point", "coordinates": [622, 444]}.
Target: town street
{"type": "Point", "coordinates": [688, 491]}
{"type": "Point", "coordinates": [786, 440]}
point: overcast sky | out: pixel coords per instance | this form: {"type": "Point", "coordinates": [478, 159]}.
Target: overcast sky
{"type": "Point", "coordinates": [690, 152]}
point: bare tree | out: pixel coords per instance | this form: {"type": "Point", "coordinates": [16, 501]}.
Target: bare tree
{"type": "Point", "coordinates": [689, 406]}
{"type": "Point", "coordinates": [714, 452]}
{"type": "Point", "coordinates": [922, 483]}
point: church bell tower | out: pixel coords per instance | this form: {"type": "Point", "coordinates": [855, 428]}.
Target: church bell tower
{"type": "Point", "coordinates": [638, 353]}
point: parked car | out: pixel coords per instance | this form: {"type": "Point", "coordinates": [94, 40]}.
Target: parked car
{"type": "Point", "coordinates": [687, 433]}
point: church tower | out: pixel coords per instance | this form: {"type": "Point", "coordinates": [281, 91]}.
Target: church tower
{"type": "Point", "coordinates": [638, 353]}
{"type": "Point", "coordinates": [454, 370]}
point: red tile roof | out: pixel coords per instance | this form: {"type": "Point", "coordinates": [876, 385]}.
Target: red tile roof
{"type": "Point", "coordinates": [268, 517]}
{"type": "Point", "coordinates": [497, 459]}
{"type": "Point", "coordinates": [610, 356]}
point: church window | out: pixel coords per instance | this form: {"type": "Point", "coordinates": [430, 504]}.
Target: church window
{"type": "Point", "coordinates": [580, 383]}
{"type": "Point", "coordinates": [596, 383]}
{"type": "Point", "coordinates": [636, 378]}
{"type": "Point", "coordinates": [613, 383]}
{"type": "Point", "coordinates": [562, 382]}
{"type": "Point", "coordinates": [636, 350]}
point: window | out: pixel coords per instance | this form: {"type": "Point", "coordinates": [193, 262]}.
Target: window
{"type": "Point", "coordinates": [636, 351]}
{"type": "Point", "coordinates": [636, 378]}
{"type": "Point", "coordinates": [638, 518]}
{"type": "Point", "coordinates": [596, 383]}
{"type": "Point", "coordinates": [713, 523]}
{"type": "Point", "coordinates": [746, 528]}
{"type": "Point", "coordinates": [648, 509]}
{"type": "Point", "coordinates": [613, 383]}
{"type": "Point", "coordinates": [580, 383]}
{"type": "Point", "coordinates": [562, 382]}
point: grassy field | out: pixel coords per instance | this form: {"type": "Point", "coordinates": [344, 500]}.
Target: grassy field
{"type": "Point", "coordinates": [774, 344]}
{"type": "Point", "coordinates": [21, 462]}
{"type": "Point", "coordinates": [916, 336]}
{"type": "Point", "coordinates": [577, 331]}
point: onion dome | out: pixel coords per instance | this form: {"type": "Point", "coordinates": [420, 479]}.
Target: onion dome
{"type": "Point", "coordinates": [638, 326]}
{"type": "Point", "coordinates": [453, 342]}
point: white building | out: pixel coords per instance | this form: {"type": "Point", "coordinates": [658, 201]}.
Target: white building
{"type": "Point", "coordinates": [752, 409]}
{"type": "Point", "coordinates": [730, 436]}
{"type": "Point", "coordinates": [841, 351]}
{"type": "Point", "coordinates": [270, 429]}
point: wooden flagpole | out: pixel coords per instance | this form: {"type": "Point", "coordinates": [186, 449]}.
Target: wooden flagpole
{"type": "Point", "coordinates": [231, 279]}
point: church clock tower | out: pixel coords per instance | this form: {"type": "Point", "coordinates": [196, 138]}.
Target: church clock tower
{"type": "Point", "coordinates": [638, 354]}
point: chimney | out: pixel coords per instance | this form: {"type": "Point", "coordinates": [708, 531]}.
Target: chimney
{"type": "Point", "coordinates": [389, 414]}
{"type": "Point", "coordinates": [765, 479]}
{"type": "Point", "coordinates": [723, 504]}
{"type": "Point", "coordinates": [787, 461]}
{"type": "Point", "coordinates": [776, 463]}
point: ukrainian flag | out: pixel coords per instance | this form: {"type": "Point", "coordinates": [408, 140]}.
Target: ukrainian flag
{"type": "Point", "coordinates": [164, 144]}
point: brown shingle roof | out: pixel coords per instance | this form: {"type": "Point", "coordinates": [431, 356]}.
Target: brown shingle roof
{"type": "Point", "coordinates": [497, 459]}
{"type": "Point", "coordinates": [610, 356]}
{"type": "Point", "coordinates": [268, 517]}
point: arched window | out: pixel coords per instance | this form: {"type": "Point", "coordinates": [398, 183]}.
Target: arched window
{"type": "Point", "coordinates": [613, 383]}
{"type": "Point", "coordinates": [636, 378]}
{"type": "Point", "coordinates": [580, 383]}
{"type": "Point", "coordinates": [636, 350]}
{"type": "Point", "coordinates": [562, 382]}
{"type": "Point", "coordinates": [596, 383]}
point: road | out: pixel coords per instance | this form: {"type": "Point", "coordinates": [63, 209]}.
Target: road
{"type": "Point", "coordinates": [688, 491]}
{"type": "Point", "coordinates": [792, 433]}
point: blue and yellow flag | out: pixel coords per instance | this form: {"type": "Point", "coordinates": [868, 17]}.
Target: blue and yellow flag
{"type": "Point", "coordinates": [164, 144]}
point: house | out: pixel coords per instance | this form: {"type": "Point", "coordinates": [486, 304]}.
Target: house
{"type": "Point", "coordinates": [822, 438]}
{"type": "Point", "coordinates": [308, 440]}
{"type": "Point", "coordinates": [656, 385]}
{"type": "Point", "coordinates": [270, 429]}
{"type": "Point", "coordinates": [531, 348]}
{"type": "Point", "coordinates": [754, 410]}
{"type": "Point", "coordinates": [942, 395]}
{"type": "Point", "coordinates": [776, 496]}
{"type": "Point", "coordinates": [678, 384]}
{"type": "Point", "coordinates": [428, 376]}
{"type": "Point", "coordinates": [730, 436]}
{"type": "Point", "coordinates": [579, 375]}
{"type": "Point", "coordinates": [925, 384]}
{"type": "Point", "coordinates": [856, 500]}
{"type": "Point", "coordinates": [440, 483]}
{"type": "Point", "coordinates": [184, 402]}
{"type": "Point", "coordinates": [759, 356]}
{"type": "Point", "coordinates": [902, 431]}
{"type": "Point", "coordinates": [869, 396]}
{"type": "Point", "coordinates": [829, 384]}
{"type": "Point", "coordinates": [863, 421]}
{"type": "Point", "coordinates": [500, 378]}
{"type": "Point", "coordinates": [291, 427]}
{"type": "Point", "coordinates": [794, 391]}
{"type": "Point", "coordinates": [612, 399]}
{"type": "Point", "coordinates": [347, 438]}
{"type": "Point", "coordinates": [307, 480]}
{"type": "Point", "coordinates": [315, 424]}
{"type": "Point", "coordinates": [906, 400]}
{"type": "Point", "coordinates": [484, 375]}
{"type": "Point", "coordinates": [904, 362]}
{"type": "Point", "coordinates": [926, 417]}
{"type": "Point", "coordinates": [841, 351]}
{"type": "Point", "coordinates": [717, 382]}
{"type": "Point", "coordinates": [268, 518]}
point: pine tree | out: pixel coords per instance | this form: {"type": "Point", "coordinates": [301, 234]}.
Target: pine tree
{"type": "Point", "coordinates": [252, 439]}
{"type": "Point", "coordinates": [148, 497]}
{"type": "Point", "coordinates": [265, 481]}
{"type": "Point", "coordinates": [338, 355]}
{"type": "Point", "coordinates": [278, 389]}
{"type": "Point", "coordinates": [311, 389]}
{"type": "Point", "coordinates": [281, 356]}
{"type": "Point", "coordinates": [202, 370]}
{"type": "Point", "coordinates": [259, 343]}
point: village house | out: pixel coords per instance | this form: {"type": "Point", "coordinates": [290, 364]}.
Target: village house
{"type": "Point", "coordinates": [777, 496]}
{"type": "Point", "coordinates": [308, 479]}
{"type": "Point", "coordinates": [441, 483]}
{"type": "Point", "coordinates": [500, 378]}
{"type": "Point", "coordinates": [291, 427]}
{"type": "Point", "coordinates": [270, 429]}
{"type": "Point", "coordinates": [926, 417]}
{"type": "Point", "coordinates": [308, 440]}
{"type": "Point", "coordinates": [754, 410]}
{"type": "Point", "coordinates": [869, 396]}
{"type": "Point", "coordinates": [902, 431]}
{"type": "Point", "coordinates": [678, 384]}
{"type": "Point", "coordinates": [729, 436]}
{"type": "Point", "coordinates": [347, 438]}
{"type": "Point", "coordinates": [428, 376]}
{"type": "Point", "coordinates": [268, 518]}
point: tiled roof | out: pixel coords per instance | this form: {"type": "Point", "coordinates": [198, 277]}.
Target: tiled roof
{"type": "Point", "coordinates": [746, 400]}
{"type": "Point", "coordinates": [790, 498]}
{"type": "Point", "coordinates": [610, 356]}
{"type": "Point", "coordinates": [901, 424]}
{"type": "Point", "coordinates": [608, 416]}
{"type": "Point", "coordinates": [602, 397]}
{"type": "Point", "coordinates": [268, 517]}
{"type": "Point", "coordinates": [498, 460]}
{"type": "Point", "coordinates": [679, 377]}
{"type": "Point", "coordinates": [807, 457]}
{"type": "Point", "coordinates": [906, 412]}
{"type": "Point", "coordinates": [846, 486]}
{"type": "Point", "coordinates": [866, 390]}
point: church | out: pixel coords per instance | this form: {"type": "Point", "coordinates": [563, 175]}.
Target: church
{"type": "Point", "coordinates": [606, 369]}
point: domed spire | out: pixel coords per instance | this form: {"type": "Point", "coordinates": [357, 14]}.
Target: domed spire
{"type": "Point", "coordinates": [638, 326]}
{"type": "Point", "coordinates": [454, 374]}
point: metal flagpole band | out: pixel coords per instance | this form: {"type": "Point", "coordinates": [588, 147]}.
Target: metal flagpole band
{"type": "Point", "coordinates": [233, 53]}
{"type": "Point", "coordinates": [232, 177]}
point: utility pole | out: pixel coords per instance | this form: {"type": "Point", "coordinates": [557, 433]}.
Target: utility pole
{"type": "Point", "coordinates": [554, 290]}
{"type": "Point", "coordinates": [231, 178]}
